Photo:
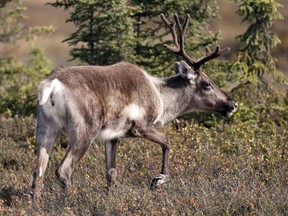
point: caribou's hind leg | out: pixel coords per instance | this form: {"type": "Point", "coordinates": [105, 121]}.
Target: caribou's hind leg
{"type": "Point", "coordinates": [79, 142]}
{"type": "Point", "coordinates": [47, 132]}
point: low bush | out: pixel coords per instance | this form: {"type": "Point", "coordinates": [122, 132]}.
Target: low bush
{"type": "Point", "coordinates": [231, 168]}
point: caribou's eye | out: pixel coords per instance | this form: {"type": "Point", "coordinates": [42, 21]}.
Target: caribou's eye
{"type": "Point", "coordinates": [206, 86]}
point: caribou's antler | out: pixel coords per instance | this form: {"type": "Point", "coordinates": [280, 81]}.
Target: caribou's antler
{"type": "Point", "coordinates": [178, 47]}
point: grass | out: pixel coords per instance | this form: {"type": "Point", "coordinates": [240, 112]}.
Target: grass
{"type": "Point", "coordinates": [230, 169]}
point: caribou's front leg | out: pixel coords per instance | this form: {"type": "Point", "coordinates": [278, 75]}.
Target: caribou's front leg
{"type": "Point", "coordinates": [152, 134]}
{"type": "Point", "coordinates": [110, 159]}
{"type": "Point", "coordinates": [155, 136]}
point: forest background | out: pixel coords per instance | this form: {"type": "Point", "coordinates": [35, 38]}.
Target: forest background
{"type": "Point", "coordinates": [219, 166]}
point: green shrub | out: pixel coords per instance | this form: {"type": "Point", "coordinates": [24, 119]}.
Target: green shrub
{"type": "Point", "coordinates": [18, 81]}
{"type": "Point", "coordinates": [18, 92]}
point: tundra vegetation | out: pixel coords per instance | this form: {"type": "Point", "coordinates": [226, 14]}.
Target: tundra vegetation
{"type": "Point", "coordinates": [218, 165]}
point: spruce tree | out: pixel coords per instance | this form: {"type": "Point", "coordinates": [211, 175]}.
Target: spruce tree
{"type": "Point", "coordinates": [255, 70]}
{"type": "Point", "coordinates": [18, 81]}
{"type": "Point", "coordinates": [104, 33]}
{"type": "Point", "coordinates": [255, 59]}
{"type": "Point", "coordinates": [131, 30]}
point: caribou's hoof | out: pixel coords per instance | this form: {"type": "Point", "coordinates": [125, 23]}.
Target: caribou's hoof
{"type": "Point", "coordinates": [112, 174]}
{"type": "Point", "coordinates": [158, 181]}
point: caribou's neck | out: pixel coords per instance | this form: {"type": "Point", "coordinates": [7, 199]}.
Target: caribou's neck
{"type": "Point", "coordinates": [174, 94]}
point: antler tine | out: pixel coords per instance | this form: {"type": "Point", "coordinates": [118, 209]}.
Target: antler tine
{"type": "Point", "coordinates": [171, 27]}
{"type": "Point", "coordinates": [208, 51]}
{"type": "Point", "coordinates": [182, 29]}
{"type": "Point", "coordinates": [210, 55]}
{"type": "Point", "coordinates": [178, 49]}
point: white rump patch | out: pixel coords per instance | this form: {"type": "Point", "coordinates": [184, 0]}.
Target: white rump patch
{"type": "Point", "coordinates": [54, 107]}
{"type": "Point", "coordinates": [46, 89]}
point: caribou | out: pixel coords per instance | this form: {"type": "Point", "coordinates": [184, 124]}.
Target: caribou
{"type": "Point", "coordinates": [121, 100]}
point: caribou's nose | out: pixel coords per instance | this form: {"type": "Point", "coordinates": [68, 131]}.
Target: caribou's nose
{"type": "Point", "coordinates": [232, 108]}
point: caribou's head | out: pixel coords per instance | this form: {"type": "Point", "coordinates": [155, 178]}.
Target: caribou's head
{"type": "Point", "coordinates": [205, 95]}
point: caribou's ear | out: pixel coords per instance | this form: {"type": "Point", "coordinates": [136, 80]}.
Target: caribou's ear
{"type": "Point", "coordinates": [177, 67]}
{"type": "Point", "coordinates": [185, 70]}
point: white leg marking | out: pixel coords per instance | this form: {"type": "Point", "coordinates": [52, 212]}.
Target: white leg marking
{"type": "Point", "coordinates": [43, 157]}
{"type": "Point", "coordinates": [40, 172]}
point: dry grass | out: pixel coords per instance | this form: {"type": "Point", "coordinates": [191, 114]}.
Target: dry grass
{"type": "Point", "coordinates": [231, 169]}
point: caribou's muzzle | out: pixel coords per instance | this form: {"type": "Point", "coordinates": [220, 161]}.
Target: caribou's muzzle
{"type": "Point", "coordinates": [228, 108]}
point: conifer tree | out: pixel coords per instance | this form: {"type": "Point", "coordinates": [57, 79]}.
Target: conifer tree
{"type": "Point", "coordinates": [18, 81]}
{"type": "Point", "coordinates": [131, 30]}
{"type": "Point", "coordinates": [104, 32]}
{"type": "Point", "coordinates": [255, 69]}
{"type": "Point", "coordinates": [255, 59]}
